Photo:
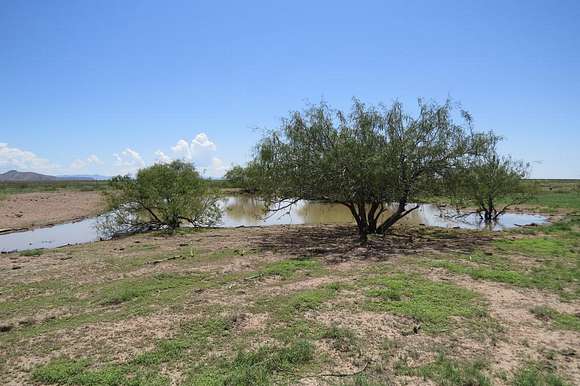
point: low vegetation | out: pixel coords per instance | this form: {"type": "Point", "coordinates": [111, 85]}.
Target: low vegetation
{"type": "Point", "coordinates": [301, 304]}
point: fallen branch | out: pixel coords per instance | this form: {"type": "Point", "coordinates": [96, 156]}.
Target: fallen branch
{"type": "Point", "coordinates": [155, 262]}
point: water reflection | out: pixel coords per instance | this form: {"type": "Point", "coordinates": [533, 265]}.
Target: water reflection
{"type": "Point", "coordinates": [249, 211]}
{"type": "Point", "coordinates": [244, 210]}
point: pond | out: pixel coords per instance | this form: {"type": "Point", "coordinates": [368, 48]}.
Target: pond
{"type": "Point", "coordinates": [249, 211]}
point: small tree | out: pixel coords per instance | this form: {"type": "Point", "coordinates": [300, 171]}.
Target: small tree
{"type": "Point", "coordinates": [367, 160]}
{"type": "Point", "coordinates": [241, 177]}
{"type": "Point", "coordinates": [162, 196]}
{"type": "Point", "coordinates": [489, 181]}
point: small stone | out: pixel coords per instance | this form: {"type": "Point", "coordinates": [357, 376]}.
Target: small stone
{"type": "Point", "coordinates": [6, 327]}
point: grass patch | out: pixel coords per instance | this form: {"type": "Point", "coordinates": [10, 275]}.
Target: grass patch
{"type": "Point", "coordinates": [433, 304]}
{"type": "Point", "coordinates": [78, 372]}
{"type": "Point", "coordinates": [31, 252]}
{"type": "Point", "coordinates": [448, 372]}
{"type": "Point", "coordinates": [534, 374]}
{"type": "Point", "coordinates": [161, 285]}
{"type": "Point", "coordinates": [287, 307]}
{"type": "Point", "coordinates": [559, 320]}
{"type": "Point", "coordinates": [287, 269]}
{"type": "Point", "coordinates": [342, 339]}
{"type": "Point", "coordinates": [557, 274]}
{"type": "Point", "coordinates": [538, 246]}
{"type": "Point", "coordinates": [255, 367]}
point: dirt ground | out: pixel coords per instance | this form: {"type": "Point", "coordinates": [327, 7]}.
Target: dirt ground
{"type": "Point", "coordinates": [419, 306]}
{"type": "Point", "coordinates": [29, 210]}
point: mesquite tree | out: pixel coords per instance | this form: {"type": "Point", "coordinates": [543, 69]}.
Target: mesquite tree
{"type": "Point", "coordinates": [368, 160]}
{"type": "Point", "coordinates": [162, 196]}
{"type": "Point", "coordinates": [490, 181]}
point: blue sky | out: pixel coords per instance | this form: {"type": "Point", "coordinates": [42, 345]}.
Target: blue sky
{"type": "Point", "coordinates": [108, 86]}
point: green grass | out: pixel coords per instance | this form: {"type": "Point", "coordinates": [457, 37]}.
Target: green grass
{"type": "Point", "coordinates": [448, 372]}
{"type": "Point", "coordinates": [289, 306]}
{"type": "Point", "coordinates": [31, 252]}
{"type": "Point", "coordinates": [546, 246]}
{"type": "Point", "coordinates": [535, 374]}
{"type": "Point", "coordinates": [557, 268]}
{"type": "Point", "coordinates": [254, 367]}
{"type": "Point", "coordinates": [557, 319]}
{"type": "Point", "coordinates": [436, 305]}
{"type": "Point", "coordinates": [8, 188]}
{"type": "Point", "coordinates": [343, 339]}
{"type": "Point", "coordinates": [287, 269]}
{"type": "Point", "coordinates": [78, 372]}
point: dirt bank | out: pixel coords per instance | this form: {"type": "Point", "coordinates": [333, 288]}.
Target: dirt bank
{"type": "Point", "coordinates": [29, 210]}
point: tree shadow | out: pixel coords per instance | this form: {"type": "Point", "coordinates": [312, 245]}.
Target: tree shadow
{"type": "Point", "coordinates": [337, 243]}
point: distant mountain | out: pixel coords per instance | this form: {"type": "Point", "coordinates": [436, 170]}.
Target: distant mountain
{"type": "Point", "coordinates": [16, 176]}
{"type": "Point", "coordinates": [90, 177]}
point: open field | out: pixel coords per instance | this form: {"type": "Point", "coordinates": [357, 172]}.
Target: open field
{"type": "Point", "coordinates": [35, 209]}
{"type": "Point", "coordinates": [299, 305]}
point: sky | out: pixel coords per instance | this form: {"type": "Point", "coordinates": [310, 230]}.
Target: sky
{"type": "Point", "coordinates": [108, 87]}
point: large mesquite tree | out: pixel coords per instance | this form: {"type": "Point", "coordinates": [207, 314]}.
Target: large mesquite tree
{"type": "Point", "coordinates": [367, 160]}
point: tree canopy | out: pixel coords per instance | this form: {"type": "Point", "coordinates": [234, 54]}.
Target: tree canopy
{"type": "Point", "coordinates": [162, 196]}
{"type": "Point", "coordinates": [367, 159]}
{"type": "Point", "coordinates": [490, 181]}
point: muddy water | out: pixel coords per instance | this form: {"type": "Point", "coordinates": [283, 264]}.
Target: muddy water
{"type": "Point", "coordinates": [249, 211]}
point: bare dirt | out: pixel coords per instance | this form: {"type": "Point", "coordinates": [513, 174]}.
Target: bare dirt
{"type": "Point", "coordinates": [30, 210]}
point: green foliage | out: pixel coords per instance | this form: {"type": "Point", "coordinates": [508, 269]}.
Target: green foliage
{"type": "Point", "coordinates": [559, 320]}
{"type": "Point", "coordinates": [534, 374]}
{"type": "Point", "coordinates": [242, 178]}
{"type": "Point", "coordinates": [447, 372]}
{"type": "Point", "coordinates": [436, 305]}
{"type": "Point", "coordinates": [161, 196]}
{"type": "Point", "coordinates": [489, 181]}
{"type": "Point", "coordinates": [366, 160]}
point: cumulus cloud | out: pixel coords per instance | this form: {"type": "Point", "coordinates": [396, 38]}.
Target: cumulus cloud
{"type": "Point", "coordinates": [128, 161]}
{"type": "Point", "coordinates": [23, 160]}
{"type": "Point", "coordinates": [162, 158]}
{"type": "Point", "coordinates": [217, 168]}
{"type": "Point", "coordinates": [198, 150]}
{"type": "Point", "coordinates": [82, 164]}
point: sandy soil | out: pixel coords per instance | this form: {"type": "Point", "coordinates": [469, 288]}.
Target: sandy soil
{"type": "Point", "coordinates": [29, 210]}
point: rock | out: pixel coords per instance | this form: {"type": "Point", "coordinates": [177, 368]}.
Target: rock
{"type": "Point", "coordinates": [6, 327]}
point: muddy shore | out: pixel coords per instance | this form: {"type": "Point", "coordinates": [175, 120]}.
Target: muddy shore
{"type": "Point", "coordinates": [32, 210]}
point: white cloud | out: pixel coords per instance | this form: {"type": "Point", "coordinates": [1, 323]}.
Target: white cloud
{"type": "Point", "coordinates": [162, 158]}
{"type": "Point", "coordinates": [82, 164]}
{"type": "Point", "coordinates": [199, 149]}
{"type": "Point", "coordinates": [23, 160]}
{"type": "Point", "coordinates": [128, 161]}
{"type": "Point", "coordinates": [215, 169]}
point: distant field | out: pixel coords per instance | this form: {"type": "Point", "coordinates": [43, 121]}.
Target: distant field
{"type": "Point", "coordinates": [7, 188]}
